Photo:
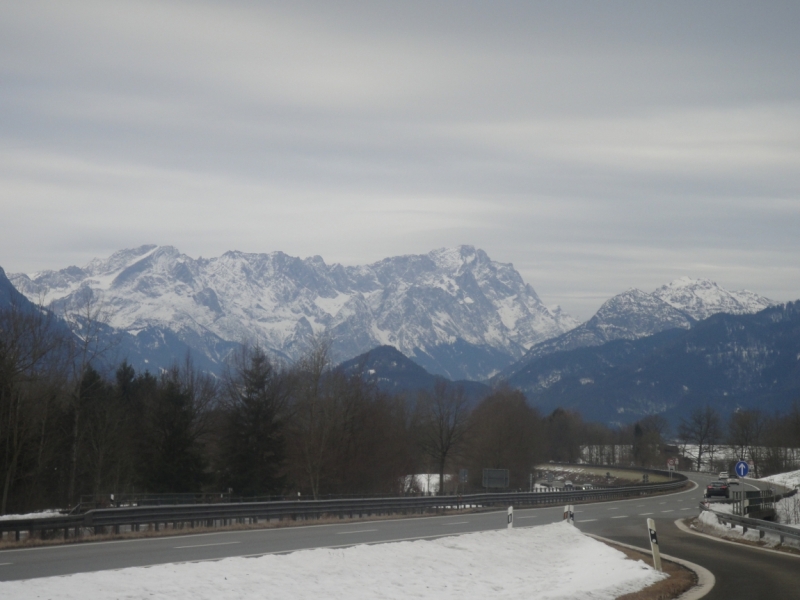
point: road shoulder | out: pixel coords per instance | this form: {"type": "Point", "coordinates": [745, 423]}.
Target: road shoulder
{"type": "Point", "coordinates": [705, 578]}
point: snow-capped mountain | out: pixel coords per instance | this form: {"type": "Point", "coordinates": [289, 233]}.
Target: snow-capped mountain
{"type": "Point", "coordinates": [627, 316]}
{"type": "Point", "coordinates": [635, 314]}
{"type": "Point", "coordinates": [454, 310]}
{"type": "Point", "coordinates": [701, 298]}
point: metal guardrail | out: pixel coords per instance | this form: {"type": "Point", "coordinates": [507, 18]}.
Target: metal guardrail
{"type": "Point", "coordinates": [783, 531]}
{"type": "Point", "coordinates": [211, 515]}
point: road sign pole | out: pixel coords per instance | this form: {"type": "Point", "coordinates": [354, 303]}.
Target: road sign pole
{"type": "Point", "coordinates": [651, 526]}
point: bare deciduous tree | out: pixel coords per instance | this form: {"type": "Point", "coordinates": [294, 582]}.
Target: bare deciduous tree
{"type": "Point", "coordinates": [442, 424]}
{"type": "Point", "coordinates": [702, 429]}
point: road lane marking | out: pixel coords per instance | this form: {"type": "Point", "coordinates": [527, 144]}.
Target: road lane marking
{"type": "Point", "coordinates": [528, 517]}
{"type": "Point", "coordinates": [620, 517]}
{"type": "Point", "coordinates": [4, 564]}
{"type": "Point", "coordinates": [586, 520]}
{"type": "Point", "coordinates": [662, 502]}
{"type": "Point", "coordinates": [205, 545]}
{"type": "Point", "coordinates": [462, 522]}
{"type": "Point", "coordinates": [687, 508]}
{"type": "Point", "coordinates": [644, 514]}
{"type": "Point", "coordinates": [358, 531]}
{"type": "Point", "coordinates": [663, 511]}
{"type": "Point", "coordinates": [615, 508]}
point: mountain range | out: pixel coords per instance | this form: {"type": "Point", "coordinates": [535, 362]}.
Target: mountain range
{"type": "Point", "coordinates": [454, 310]}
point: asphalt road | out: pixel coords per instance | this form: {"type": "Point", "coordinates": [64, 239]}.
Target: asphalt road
{"type": "Point", "coordinates": [741, 572]}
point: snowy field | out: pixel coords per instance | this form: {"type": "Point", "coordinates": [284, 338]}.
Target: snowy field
{"type": "Point", "coordinates": [547, 562]}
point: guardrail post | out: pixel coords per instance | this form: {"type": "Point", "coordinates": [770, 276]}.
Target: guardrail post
{"type": "Point", "coordinates": [651, 526]}
{"type": "Point", "coordinates": [510, 517]}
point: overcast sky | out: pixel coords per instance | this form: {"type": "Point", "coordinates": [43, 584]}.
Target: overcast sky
{"type": "Point", "coordinates": [597, 146]}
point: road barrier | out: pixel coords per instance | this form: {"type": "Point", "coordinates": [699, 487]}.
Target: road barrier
{"type": "Point", "coordinates": [117, 520]}
{"type": "Point", "coordinates": [763, 527]}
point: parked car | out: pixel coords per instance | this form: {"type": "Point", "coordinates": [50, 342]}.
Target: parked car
{"type": "Point", "coordinates": [718, 488]}
{"type": "Point", "coordinates": [724, 476]}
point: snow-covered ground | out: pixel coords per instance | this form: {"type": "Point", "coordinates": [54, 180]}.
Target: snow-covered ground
{"type": "Point", "coordinates": [36, 515]}
{"type": "Point", "coordinates": [788, 509]}
{"type": "Point", "coordinates": [789, 480]}
{"type": "Point", "coordinates": [548, 562]}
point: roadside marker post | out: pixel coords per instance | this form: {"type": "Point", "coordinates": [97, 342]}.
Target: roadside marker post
{"type": "Point", "coordinates": [510, 517]}
{"type": "Point", "coordinates": [569, 513]}
{"type": "Point", "coordinates": [651, 526]}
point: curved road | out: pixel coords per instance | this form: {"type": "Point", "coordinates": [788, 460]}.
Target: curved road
{"type": "Point", "coordinates": [740, 571]}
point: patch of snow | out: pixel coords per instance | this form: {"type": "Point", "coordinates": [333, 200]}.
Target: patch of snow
{"type": "Point", "coordinates": [551, 561]}
{"type": "Point", "coordinates": [332, 305]}
{"type": "Point", "coordinates": [36, 515]}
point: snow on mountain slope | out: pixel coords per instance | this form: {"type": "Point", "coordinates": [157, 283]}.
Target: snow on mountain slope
{"type": "Point", "coordinates": [635, 314]}
{"type": "Point", "coordinates": [702, 298]}
{"type": "Point", "coordinates": [417, 303]}
{"type": "Point", "coordinates": [627, 316]}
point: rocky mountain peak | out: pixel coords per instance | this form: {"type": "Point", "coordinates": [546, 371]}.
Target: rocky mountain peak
{"type": "Point", "coordinates": [702, 298]}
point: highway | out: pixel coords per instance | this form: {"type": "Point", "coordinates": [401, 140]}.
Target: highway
{"type": "Point", "coordinates": [741, 572]}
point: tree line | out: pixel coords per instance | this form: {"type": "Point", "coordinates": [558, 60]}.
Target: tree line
{"type": "Point", "coordinates": [70, 425]}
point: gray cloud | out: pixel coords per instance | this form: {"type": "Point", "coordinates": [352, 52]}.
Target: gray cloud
{"type": "Point", "coordinates": [596, 146]}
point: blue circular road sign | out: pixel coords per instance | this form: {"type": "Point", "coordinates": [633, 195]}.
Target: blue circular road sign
{"type": "Point", "coordinates": [742, 468]}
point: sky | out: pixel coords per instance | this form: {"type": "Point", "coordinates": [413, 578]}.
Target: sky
{"type": "Point", "coordinates": [596, 146]}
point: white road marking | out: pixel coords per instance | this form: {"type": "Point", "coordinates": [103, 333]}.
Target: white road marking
{"type": "Point", "coordinates": [205, 545]}
{"type": "Point", "coordinates": [358, 531]}
{"type": "Point", "coordinates": [587, 520]}
{"type": "Point", "coordinates": [459, 523]}
{"type": "Point", "coordinates": [616, 508]}
{"type": "Point", "coordinates": [645, 514]}
{"type": "Point", "coordinates": [687, 508]}
{"type": "Point", "coordinates": [528, 517]}
{"type": "Point", "coordinates": [4, 564]}
{"type": "Point", "coordinates": [663, 511]}
{"type": "Point", "coordinates": [620, 517]}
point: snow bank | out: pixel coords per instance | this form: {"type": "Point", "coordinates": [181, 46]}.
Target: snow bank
{"type": "Point", "coordinates": [788, 509]}
{"type": "Point", "coordinates": [548, 562]}
{"type": "Point", "coordinates": [789, 480]}
{"type": "Point", "coordinates": [36, 515]}
{"type": "Point", "coordinates": [709, 520]}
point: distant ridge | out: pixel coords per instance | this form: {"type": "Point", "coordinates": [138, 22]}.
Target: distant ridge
{"type": "Point", "coordinates": [635, 314]}
{"type": "Point", "coordinates": [728, 361]}
{"type": "Point", "coordinates": [395, 373]}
